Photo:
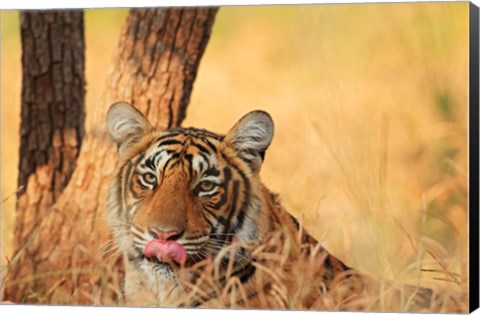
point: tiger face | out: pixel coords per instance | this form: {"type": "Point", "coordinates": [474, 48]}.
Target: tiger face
{"type": "Point", "coordinates": [183, 194]}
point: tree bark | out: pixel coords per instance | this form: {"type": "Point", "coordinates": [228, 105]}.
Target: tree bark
{"type": "Point", "coordinates": [52, 114]}
{"type": "Point", "coordinates": [154, 69]}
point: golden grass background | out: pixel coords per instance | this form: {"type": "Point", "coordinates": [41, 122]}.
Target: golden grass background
{"type": "Point", "coordinates": [370, 104]}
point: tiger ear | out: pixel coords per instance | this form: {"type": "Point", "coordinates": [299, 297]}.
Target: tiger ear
{"type": "Point", "coordinates": [251, 136]}
{"type": "Point", "coordinates": [126, 125]}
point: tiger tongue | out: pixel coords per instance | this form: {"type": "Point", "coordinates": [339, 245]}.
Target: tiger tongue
{"type": "Point", "coordinates": [166, 251]}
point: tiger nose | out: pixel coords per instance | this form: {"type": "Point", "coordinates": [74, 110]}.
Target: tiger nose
{"type": "Point", "coordinates": [164, 235]}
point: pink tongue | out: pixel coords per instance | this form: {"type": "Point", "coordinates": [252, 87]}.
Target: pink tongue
{"type": "Point", "coordinates": [166, 251]}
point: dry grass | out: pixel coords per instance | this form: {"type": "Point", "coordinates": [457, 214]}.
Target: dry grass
{"type": "Point", "coordinates": [273, 286]}
{"type": "Point", "coordinates": [370, 104]}
{"type": "Point", "coordinates": [292, 275]}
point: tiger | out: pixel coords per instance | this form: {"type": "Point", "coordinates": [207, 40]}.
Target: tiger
{"type": "Point", "coordinates": [186, 202]}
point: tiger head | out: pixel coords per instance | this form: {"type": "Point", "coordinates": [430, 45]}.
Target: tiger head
{"type": "Point", "coordinates": [182, 194]}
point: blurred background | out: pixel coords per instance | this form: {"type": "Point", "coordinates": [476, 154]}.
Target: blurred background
{"type": "Point", "coordinates": [370, 103]}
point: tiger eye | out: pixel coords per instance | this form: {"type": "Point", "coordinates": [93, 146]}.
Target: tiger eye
{"type": "Point", "coordinates": [206, 186]}
{"type": "Point", "coordinates": [149, 178]}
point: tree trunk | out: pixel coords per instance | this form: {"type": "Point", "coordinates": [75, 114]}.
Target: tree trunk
{"type": "Point", "coordinates": [154, 68]}
{"type": "Point", "coordinates": [53, 112]}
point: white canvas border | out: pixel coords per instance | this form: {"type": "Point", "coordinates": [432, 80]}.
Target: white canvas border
{"type": "Point", "coordinates": [51, 4]}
